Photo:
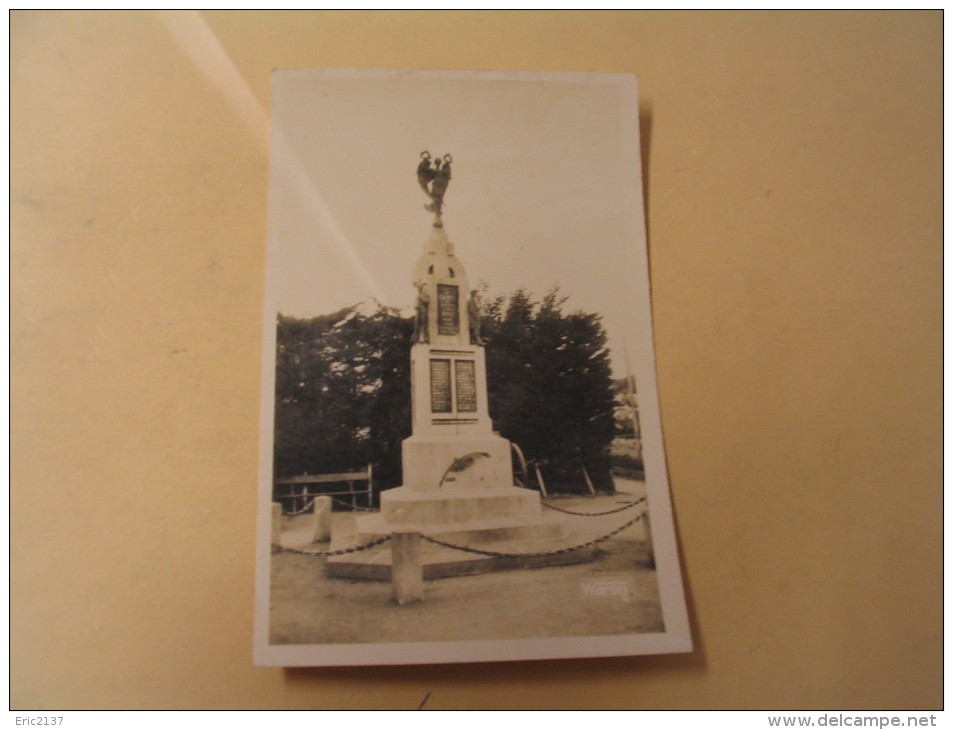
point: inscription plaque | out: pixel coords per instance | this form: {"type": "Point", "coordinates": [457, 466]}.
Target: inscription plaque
{"type": "Point", "coordinates": [466, 386]}
{"type": "Point", "coordinates": [440, 386]}
{"type": "Point", "coordinates": [448, 309]}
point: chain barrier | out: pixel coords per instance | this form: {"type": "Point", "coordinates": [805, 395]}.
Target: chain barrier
{"type": "Point", "coordinates": [494, 554]}
{"type": "Point", "coordinates": [334, 499]}
{"type": "Point", "coordinates": [328, 553]}
{"type": "Point", "coordinates": [640, 500]}
{"type": "Point", "coordinates": [545, 504]}
{"type": "Point", "coordinates": [353, 506]}
{"type": "Point", "coordinates": [302, 510]}
{"type": "Point", "coordinates": [476, 551]}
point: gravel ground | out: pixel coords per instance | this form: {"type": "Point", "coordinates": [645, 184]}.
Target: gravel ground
{"type": "Point", "coordinates": [615, 594]}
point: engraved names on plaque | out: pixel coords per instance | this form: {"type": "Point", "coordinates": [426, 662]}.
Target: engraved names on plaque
{"type": "Point", "coordinates": [440, 386]}
{"type": "Point", "coordinates": [448, 309]}
{"type": "Point", "coordinates": [466, 386]}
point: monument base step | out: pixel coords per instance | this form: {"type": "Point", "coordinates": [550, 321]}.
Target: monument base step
{"type": "Point", "coordinates": [407, 506]}
{"type": "Point", "coordinates": [507, 520]}
{"type": "Point", "coordinates": [471, 533]}
{"type": "Point", "coordinates": [441, 562]}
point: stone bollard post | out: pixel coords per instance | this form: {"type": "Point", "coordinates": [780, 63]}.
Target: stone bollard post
{"type": "Point", "coordinates": [406, 570]}
{"type": "Point", "coordinates": [322, 519]}
{"type": "Point", "coordinates": [648, 536]}
{"type": "Point", "coordinates": [275, 523]}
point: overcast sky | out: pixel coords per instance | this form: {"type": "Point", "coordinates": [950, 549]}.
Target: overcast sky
{"type": "Point", "coordinates": [546, 190]}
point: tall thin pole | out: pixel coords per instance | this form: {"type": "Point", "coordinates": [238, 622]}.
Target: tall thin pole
{"type": "Point", "coordinates": [630, 382]}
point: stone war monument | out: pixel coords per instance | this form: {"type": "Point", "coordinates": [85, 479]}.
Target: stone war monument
{"type": "Point", "coordinates": [457, 472]}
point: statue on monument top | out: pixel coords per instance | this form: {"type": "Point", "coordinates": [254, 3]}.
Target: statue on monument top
{"type": "Point", "coordinates": [434, 176]}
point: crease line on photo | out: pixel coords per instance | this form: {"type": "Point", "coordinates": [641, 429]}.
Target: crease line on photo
{"type": "Point", "coordinates": [202, 47]}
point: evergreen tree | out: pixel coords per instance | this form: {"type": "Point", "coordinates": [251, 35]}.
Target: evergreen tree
{"type": "Point", "coordinates": [342, 397]}
{"type": "Point", "coordinates": [551, 387]}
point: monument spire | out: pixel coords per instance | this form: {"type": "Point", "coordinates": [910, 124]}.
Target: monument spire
{"type": "Point", "coordinates": [457, 472]}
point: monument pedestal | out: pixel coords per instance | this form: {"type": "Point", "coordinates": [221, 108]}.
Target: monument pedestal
{"type": "Point", "coordinates": [426, 460]}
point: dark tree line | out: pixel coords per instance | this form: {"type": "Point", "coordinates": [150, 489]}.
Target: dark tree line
{"type": "Point", "coordinates": [343, 389]}
{"type": "Point", "coordinates": [342, 393]}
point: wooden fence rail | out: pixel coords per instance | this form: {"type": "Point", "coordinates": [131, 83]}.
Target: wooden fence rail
{"type": "Point", "coordinates": [295, 492]}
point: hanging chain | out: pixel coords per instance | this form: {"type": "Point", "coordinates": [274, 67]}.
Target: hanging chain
{"type": "Point", "coordinates": [595, 514]}
{"type": "Point", "coordinates": [328, 553]}
{"type": "Point", "coordinates": [353, 506]}
{"type": "Point", "coordinates": [334, 499]}
{"type": "Point", "coordinates": [302, 510]}
{"type": "Point", "coordinates": [494, 554]}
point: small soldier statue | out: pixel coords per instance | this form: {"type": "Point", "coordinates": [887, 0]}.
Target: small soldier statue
{"type": "Point", "coordinates": [473, 312]}
{"type": "Point", "coordinates": [422, 320]}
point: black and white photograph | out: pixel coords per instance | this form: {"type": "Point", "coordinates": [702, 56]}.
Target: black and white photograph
{"type": "Point", "coordinates": [461, 447]}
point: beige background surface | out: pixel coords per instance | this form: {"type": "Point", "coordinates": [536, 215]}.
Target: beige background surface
{"type": "Point", "coordinates": [793, 175]}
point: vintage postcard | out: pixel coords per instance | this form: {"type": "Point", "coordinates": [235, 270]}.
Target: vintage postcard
{"type": "Point", "coordinates": [462, 454]}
